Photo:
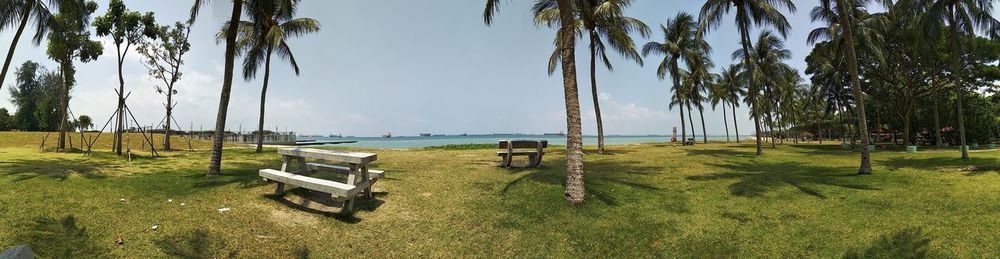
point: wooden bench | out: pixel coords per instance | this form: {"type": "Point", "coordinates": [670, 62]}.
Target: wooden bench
{"type": "Point", "coordinates": [533, 149]}
{"type": "Point", "coordinates": [359, 179]}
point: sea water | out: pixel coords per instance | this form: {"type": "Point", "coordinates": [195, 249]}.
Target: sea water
{"type": "Point", "coordinates": [420, 142]}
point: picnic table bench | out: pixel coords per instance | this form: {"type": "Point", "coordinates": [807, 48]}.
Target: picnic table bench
{"type": "Point", "coordinates": [533, 149]}
{"type": "Point", "coordinates": [359, 177]}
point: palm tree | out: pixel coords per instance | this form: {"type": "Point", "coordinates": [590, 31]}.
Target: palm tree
{"type": "Point", "coordinates": [680, 42]}
{"type": "Point", "coordinates": [575, 191]}
{"type": "Point", "coordinates": [963, 17]}
{"type": "Point", "coordinates": [269, 26]}
{"type": "Point", "coordinates": [732, 84]}
{"type": "Point", "coordinates": [698, 77]}
{"type": "Point", "coordinates": [215, 164]}
{"type": "Point", "coordinates": [762, 13]}
{"type": "Point", "coordinates": [768, 56]}
{"type": "Point", "coordinates": [718, 94]}
{"type": "Point", "coordinates": [603, 21]}
{"type": "Point", "coordinates": [34, 10]}
{"type": "Point", "coordinates": [848, 20]}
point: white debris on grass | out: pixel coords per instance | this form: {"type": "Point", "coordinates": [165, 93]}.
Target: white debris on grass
{"type": "Point", "coordinates": [170, 200]}
{"type": "Point", "coordinates": [155, 227]}
{"type": "Point", "coordinates": [223, 210]}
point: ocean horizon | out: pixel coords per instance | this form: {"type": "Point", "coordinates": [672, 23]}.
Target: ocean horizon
{"type": "Point", "coordinates": [442, 140]}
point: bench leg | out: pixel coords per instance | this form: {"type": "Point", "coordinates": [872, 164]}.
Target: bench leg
{"type": "Point", "coordinates": [348, 207]}
{"type": "Point", "coordinates": [507, 160]}
{"type": "Point", "coordinates": [538, 160]}
{"type": "Point", "coordinates": [280, 190]}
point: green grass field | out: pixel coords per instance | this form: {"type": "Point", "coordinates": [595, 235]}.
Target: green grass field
{"type": "Point", "coordinates": [652, 200]}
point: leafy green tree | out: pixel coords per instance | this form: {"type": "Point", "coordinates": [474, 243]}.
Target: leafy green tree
{"type": "Point", "coordinates": [6, 121]}
{"type": "Point", "coordinates": [126, 28]}
{"type": "Point", "coordinates": [25, 96]}
{"type": "Point", "coordinates": [698, 77]}
{"type": "Point", "coordinates": [269, 26]}
{"type": "Point", "coordinates": [605, 24]}
{"type": "Point", "coordinates": [164, 57]}
{"type": "Point", "coordinates": [70, 40]}
{"type": "Point", "coordinates": [84, 123]}
{"type": "Point", "coordinates": [24, 11]}
{"type": "Point", "coordinates": [680, 43]}
{"type": "Point", "coordinates": [575, 189]}
{"type": "Point", "coordinates": [762, 13]}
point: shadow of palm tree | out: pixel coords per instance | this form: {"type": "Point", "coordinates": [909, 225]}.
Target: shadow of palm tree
{"type": "Point", "coordinates": [938, 162]}
{"type": "Point", "coordinates": [197, 243]}
{"type": "Point", "coordinates": [54, 168]}
{"type": "Point", "coordinates": [757, 178]}
{"type": "Point", "coordinates": [907, 243]}
{"type": "Point", "coordinates": [601, 177]}
{"type": "Point", "coordinates": [718, 152]}
{"type": "Point", "coordinates": [59, 238]}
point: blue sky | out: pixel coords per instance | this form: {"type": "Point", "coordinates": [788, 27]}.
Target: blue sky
{"type": "Point", "coordinates": [407, 67]}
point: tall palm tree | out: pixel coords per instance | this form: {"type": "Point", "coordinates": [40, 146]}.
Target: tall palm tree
{"type": "Point", "coordinates": [718, 94]}
{"type": "Point", "coordinates": [699, 77]}
{"type": "Point", "coordinates": [762, 13]}
{"type": "Point", "coordinates": [215, 164]}
{"type": "Point", "coordinates": [270, 24]}
{"type": "Point", "coordinates": [603, 21]}
{"type": "Point", "coordinates": [962, 17]}
{"type": "Point", "coordinates": [732, 83]}
{"type": "Point", "coordinates": [768, 56]}
{"type": "Point", "coordinates": [575, 191]}
{"type": "Point", "coordinates": [25, 11]}
{"type": "Point", "coordinates": [679, 43]}
{"type": "Point", "coordinates": [847, 20]}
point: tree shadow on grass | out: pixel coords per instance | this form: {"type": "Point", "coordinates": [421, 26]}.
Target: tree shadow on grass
{"type": "Point", "coordinates": [59, 238]}
{"type": "Point", "coordinates": [601, 177]}
{"type": "Point", "coordinates": [935, 163]}
{"type": "Point", "coordinates": [718, 152]}
{"type": "Point", "coordinates": [757, 178]}
{"type": "Point", "coordinates": [907, 243]}
{"type": "Point", "coordinates": [245, 176]}
{"type": "Point", "coordinates": [55, 168]}
{"type": "Point", "coordinates": [198, 243]}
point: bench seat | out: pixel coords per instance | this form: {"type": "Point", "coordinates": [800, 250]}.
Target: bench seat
{"type": "Point", "coordinates": [316, 184]}
{"type": "Point", "coordinates": [373, 174]}
{"type": "Point", "coordinates": [519, 153]}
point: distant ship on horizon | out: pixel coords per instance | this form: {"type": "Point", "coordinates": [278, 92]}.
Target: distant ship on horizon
{"type": "Point", "coordinates": [554, 134]}
{"type": "Point", "coordinates": [425, 134]}
{"type": "Point", "coordinates": [387, 135]}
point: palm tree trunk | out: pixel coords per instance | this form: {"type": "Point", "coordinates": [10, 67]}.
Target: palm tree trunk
{"type": "Point", "coordinates": [593, 91]}
{"type": "Point", "coordinates": [691, 123]}
{"type": "Point", "coordinates": [852, 66]}
{"type": "Point", "coordinates": [937, 123]}
{"type": "Point", "coordinates": [819, 129]}
{"type": "Point", "coordinates": [744, 31]}
{"type": "Point", "coordinates": [263, 97]}
{"type": "Point", "coordinates": [683, 128]}
{"type": "Point", "coordinates": [575, 190]}
{"type": "Point", "coordinates": [735, 125]}
{"type": "Point", "coordinates": [215, 165]}
{"type": "Point", "coordinates": [17, 36]}
{"type": "Point", "coordinates": [725, 120]}
{"type": "Point", "coordinates": [704, 134]}
{"type": "Point", "coordinates": [956, 59]}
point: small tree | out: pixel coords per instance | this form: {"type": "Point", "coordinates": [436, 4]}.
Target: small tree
{"type": "Point", "coordinates": [164, 59]}
{"type": "Point", "coordinates": [128, 28]}
{"type": "Point", "coordinates": [70, 40]}
{"type": "Point", "coordinates": [84, 123]}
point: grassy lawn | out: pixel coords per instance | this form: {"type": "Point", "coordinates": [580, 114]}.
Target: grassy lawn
{"type": "Point", "coordinates": [651, 200]}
